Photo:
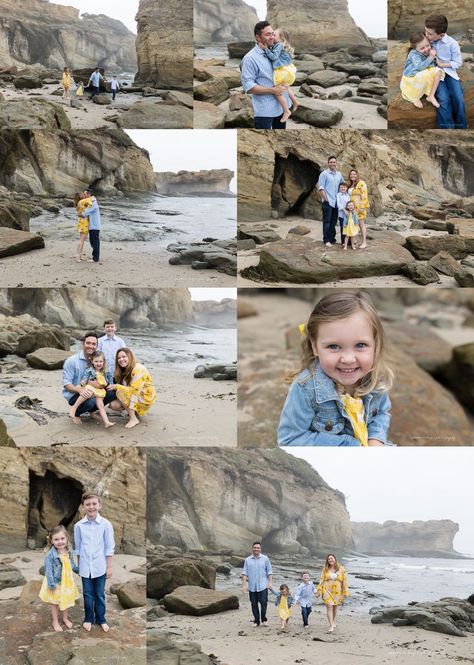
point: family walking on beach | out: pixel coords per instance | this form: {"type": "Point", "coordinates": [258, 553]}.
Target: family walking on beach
{"type": "Point", "coordinates": [106, 373]}
{"type": "Point", "coordinates": [70, 88]}
{"type": "Point", "coordinates": [94, 548]}
{"type": "Point", "coordinates": [257, 580]}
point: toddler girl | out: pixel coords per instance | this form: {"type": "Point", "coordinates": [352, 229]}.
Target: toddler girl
{"type": "Point", "coordinates": [283, 600]}
{"type": "Point", "coordinates": [284, 72]}
{"type": "Point", "coordinates": [95, 378]}
{"type": "Point", "coordinates": [59, 589]}
{"type": "Point", "coordinates": [350, 228]}
{"type": "Point", "coordinates": [339, 398]}
{"type": "Point", "coordinates": [421, 76]}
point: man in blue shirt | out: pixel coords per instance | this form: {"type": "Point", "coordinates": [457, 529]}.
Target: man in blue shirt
{"type": "Point", "coordinates": [328, 188]}
{"type": "Point", "coordinates": [451, 113]}
{"type": "Point", "coordinates": [257, 579]}
{"type": "Point", "coordinates": [257, 78]}
{"type": "Point", "coordinates": [94, 80]}
{"type": "Point", "coordinates": [94, 227]}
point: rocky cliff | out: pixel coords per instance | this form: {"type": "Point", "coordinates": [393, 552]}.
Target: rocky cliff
{"type": "Point", "coordinates": [433, 538]}
{"type": "Point", "coordinates": [212, 314]}
{"type": "Point", "coordinates": [41, 32]}
{"type": "Point", "coordinates": [316, 25]}
{"type": "Point", "coordinates": [61, 163]}
{"type": "Point", "coordinates": [165, 44]}
{"type": "Point", "coordinates": [230, 498]}
{"type": "Point", "coordinates": [226, 21]}
{"type": "Point", "coordinates": [42, 488]}
{"type": "Point", "coordinates": [195, 183]}
{"type": "Point", "coordinates": [406, 16]}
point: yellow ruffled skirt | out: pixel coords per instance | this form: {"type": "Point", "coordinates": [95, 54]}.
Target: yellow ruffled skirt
{"type": "Point", "coordinates": [283, 610]}
{"type": "Point", "coordinates": [284, 75]}
{"type": "Point", "coordinates": [66, 593]}
{"type": "Point", "coordinates": [350, 228]}
{"type": "Point", "coordinates": [82, 225]}
{"type": "Point", "coordinates": [414, 87]}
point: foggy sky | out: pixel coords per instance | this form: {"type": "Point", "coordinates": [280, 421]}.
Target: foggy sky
{"type": "Point", "coordinates": [124, 11]}
{"type": "Point", "coordinates": [213, 294]}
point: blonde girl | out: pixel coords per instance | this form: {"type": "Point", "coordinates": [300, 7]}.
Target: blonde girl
{"type": "Point", "coordinates": [360, 196]}
{"type": "Point", "coordinates": [67, 82]}
{"type": "Point", "coordinates": [81, 201]}
{"type": "Point", "coordinates": [332, 588]}
{"type": "Point", "coordinates": [95, 378]}
{"type": "Point", "coordinates": [134, 387]}
{"type": "Point", "coordinates": [339, 397]}
{"type": "Point", "coordinates": [350, 227]}
{"type": "Point", "coordinates": [283, 600]}
{"type": "Point", "coordinates": [281, 56]}
{"type": "Point", "coordinates": [421, 76]}
{"type": "Point", "coordinates": [59, 589]}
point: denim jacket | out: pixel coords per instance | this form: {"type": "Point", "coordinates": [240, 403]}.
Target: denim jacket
{"type": "Point", "coordinates": [53, 567]}
{"type": "Point", "coordinates": [277, 55]}
{"type": "Point", "coordinates": [417, 62]}
{"type": "Point", "coordinates": [90, 374]}
{"type": "Point", "coordinates": [314, 414]}
{"type": "Point", "coordinates": [277, 595]}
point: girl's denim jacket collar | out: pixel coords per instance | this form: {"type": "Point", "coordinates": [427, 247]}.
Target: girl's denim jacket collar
{"type": "Point", "coordinates": [53, 567]}
{"type": "Point", "coordinates": [314, 414]}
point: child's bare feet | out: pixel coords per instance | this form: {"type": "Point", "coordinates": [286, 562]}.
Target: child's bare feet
{"type": "Point", "coordinates": [67, 623]}
{"type": "Point", "coordinates": [75, 419]}
{"type": "Point", "coordinates": [432, 100]}
{"type": "Point", "coordinates": [354, 246]}
{"type": "Point", "coordinates": [294, 107]}
{"type": "Point", "coordinates": [345, 246]}
{"type": "Point", "coordinates": [109, 424]}
{"type": "Point", "coordinates": [132, 423]}
{"type": "Point", "coordinates": [105, 627]}
{"type": "Point", "coordinates": [57, 627]}
{"type": "Point", "coordinates": [285, 116]}
{"type": "Point", "coordinates": [418, 104]}
{"type": "Point", "coordinates": [87, 626]}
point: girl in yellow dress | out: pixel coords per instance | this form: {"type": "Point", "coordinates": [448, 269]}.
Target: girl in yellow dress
{"type": "Point", "coordinates": [81, 201]}
{"type": "Point", "coordinates": [134, 387]}
{"type": "Point", "coordinates": [360, 196]}
{"type": "Point", "coordinates": [281, 56]}
{"type": "Point", "coordinates": [350, 228]}
{"type": "Point", "coordinates": [283, 600]}
{"type": "Point", "coordinates": [421, 76]}
{"type": "Point", "coordinates": [332, 588]}
{"type": "Point", "coordinates": [67, 82]}
{"type": "Point", "coordinates": [59, 589]}
{"type": "Point", "coordinates": [95, 378]}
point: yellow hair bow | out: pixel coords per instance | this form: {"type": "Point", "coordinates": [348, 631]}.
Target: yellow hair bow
{"type": "Point", "coordinates": [302, 328]}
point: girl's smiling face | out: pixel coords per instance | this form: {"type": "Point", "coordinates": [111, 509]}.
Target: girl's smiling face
{"type": "Point", "coordinates": [98, 363]}
{"type": "Point", "coordinates": [346, 349]}
{"type": "Point", "coordinates": [60, 540]}
{"type": "Point", "coordinates": [424, 47]}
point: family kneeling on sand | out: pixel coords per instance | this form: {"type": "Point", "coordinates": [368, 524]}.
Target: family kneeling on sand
{"type": "Point", "coordinates": [106, 373]}
{"type": "Point", "coordinates": [257, 580]}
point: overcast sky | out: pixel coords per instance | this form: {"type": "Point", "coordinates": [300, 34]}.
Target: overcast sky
{"type": "Point", "coordinates": [402, 484]}
{"type": "Point", "coordinates": [370, 16]}
{"type": "Point", "coordinates": [122, 10]}
{"type": "Point", "coordinates": [213, 294]}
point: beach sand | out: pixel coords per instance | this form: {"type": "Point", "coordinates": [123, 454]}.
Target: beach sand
{"type": "Point", "coordinates": [188, 412]}
{"type": "Point", "coordinates": [122, 264]}
{"type": "Point", "coordinates": [231, 637]}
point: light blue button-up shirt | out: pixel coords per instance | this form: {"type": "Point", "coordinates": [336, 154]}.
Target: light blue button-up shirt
{"type": "Point", "coordinates": [94, 215]}
{"type": "Point", "coordinates": [330, 181]}
{"type": "Point", "coordinates": [109, 347]}
{"type": "Point", "coordinates": [256, 69]}
{"type": "Point", "coordinates": [257, 570]}
{"type": "Point", "coordinates": [95, 78]}
{"type": "Point", "coordinates": [304, 594]}
{"type": "Point", "coordinates": [448, 50]}
{"type": "Point", "coordinates": [73, 371]}
{"type": "Point", "coordinates": [94, 540]}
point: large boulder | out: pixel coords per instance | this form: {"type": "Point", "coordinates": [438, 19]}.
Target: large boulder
{"type": "Point", "coordinates": [5, 440]}
{"type": "Point", "coordinates": [214, 91]}
{"type": "Point", "coordinates": [47, 358]}
{"type": "Point", "coordinates": [156, 115]}
{"type": "Point", "coordinates": [165, 576]}
{"type": "Point", "coordinates": [14, 242]}
{"type": "Point", "coordinates": [317, 113]}
{"type": "Point", "coordinates": [326, 78]}
{"type": "Point", "coordinates": [196, 601]}
{"type": "Point", "coordinates": [27, 82]}
{"type": "Point", "coordinates": [132, 593]}
{"type": "Point", "coordinates": [208, 116]}
{"type": "Point", "coordinates": [424, 248]}
{"type": "Point", "coordinates": [15, 215]}
{"type": "Point", "coordinates": [33, 114]}
{"type": "Point", "coordinates": [10, 577]}
{"type": "Point", "coordinates": [164, 649]}
{"type": "Point", "coordinates": [45, 336]}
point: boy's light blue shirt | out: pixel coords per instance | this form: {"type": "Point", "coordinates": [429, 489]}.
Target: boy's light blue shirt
{"type": "Point", "coordinates": [109, 347]}
{"type": "Point", "coordinates": [304, 594]}
{"type": "Point", "coordinates": [73, 371]}
{"type": "Point", "coordinates": [257, 570]}
{"type": "Point", "coordinates": [94, 215]}
{"type": "Point", "coordinates": [330, 181]}
{"type": "Point", "coordinates": [94, 540]}
{"type": "Point", "coordinates": [256, 69]}
{"type": "Point", "coordinates": [342, 200]}
{"type": "Point", "coordinates": [448, 50]}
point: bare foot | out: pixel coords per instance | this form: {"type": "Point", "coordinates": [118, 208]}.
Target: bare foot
{"type": "Point", "coordinates": [87, 626]}
{"type": "Point", "coordinates": [418, 104]}
{"type": "Point", "coordinates": [109, 424]}
{"type": "Point", "coordinates": [345, 247]}
{"type": "Point", "coordinates": [295, 106]}
{"type": "Point", "coordinates": [57, 627]}
{"type": "Point", "coordinates": [76, 420]}
{"type": "Point", "coordinates": [354, 246]}
{"type": "Point", "coordinates": [131, 423]}
{"type": "Point", "coordinates": [67, 623]}
{"type": "Point", "coordinates": [433, 100]}
{"type": "Point", "coordinates": [285, 116]}
{"type": "Point", "coordinates": [363, 246]}
{"type": "Point", "coordinates": [104, 627]}
{"type": "Point", "coordinates": [78, 259]}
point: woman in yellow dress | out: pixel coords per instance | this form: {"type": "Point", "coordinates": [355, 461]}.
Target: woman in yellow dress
{"type": "Point", "coordinates": [134, 387]}
{"type": "Point", "coordinates": [81, 201]}
{"type": "Point", "coordinates": [67, 82]}
{"type": "Point", "coordinates": [332, 588]}
{"type": "Point", "coordinates": [360, 196]}
{"type": "Point", "coordinates": [59, 589]}
{"type": "Point", "coordinates": [283, 600]}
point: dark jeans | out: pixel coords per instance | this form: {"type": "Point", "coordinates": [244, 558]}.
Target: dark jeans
{"type": "Point", "coordinates": [452, 112]}
{"type": "Point", "coordinates": [94, 239]}
{"type": "Point", "coordinates": [305, 612]}
{"type": "Point", "coordinates": [90, 405]}
{"type": "Point", "coordinates": [269, 123]}
{"type": "Point", "coordinates": [256, 597]}
{"type": "Point", "coordinates": [341, 224]}
{"type": "Point", "coordinates": [114, 92]}
{"type": "Point", "coordinates": [329, 223]}
{"type": "Point", "coordinates": [95, 91]}
{"type": "Point", "coordinates": [93, 591]}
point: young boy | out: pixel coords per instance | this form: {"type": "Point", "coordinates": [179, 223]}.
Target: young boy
{"type": "Point", "coordinates": [304, 597]}
{"type": "Point", "coordinates": [110, 343]}
{"type": "Point", "coordinates": [452, 112]}
{"type": "Point", "coordinates": [114, 86]}
{"type": "Point", "coordinates": [95, 545]}
{"type": "Point", "coordinates": [342, 199]}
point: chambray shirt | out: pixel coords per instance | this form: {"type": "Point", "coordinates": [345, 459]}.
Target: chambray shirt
{"type": "Point", "coordinates": [94, 541]}
{"type": "Point", "coordinates": [109, 347]}
{"type": "Point", "coordinates": [94, 215]}
{"type": "Point", "coordinates": [304, 594]}
{"type": "Point", "coordinates": [257, 570]}
{"type": "Point", "coordinates": [448, 50]}
{"type": "Point", "coordinates": [256, 69]}
{"type": "Point", "coordinates": [277, 55]}
{"type": "Point", "coordinates": [330, 181]}
{"type": "Point", "coordinates": [342, 200]}
{"type": "Point", "coordinates": [73, 371]}
{"type": "Point", "coordinates": [95, 79]}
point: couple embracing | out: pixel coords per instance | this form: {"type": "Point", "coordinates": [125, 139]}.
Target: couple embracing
{"type": "Point", "coordinates": [88, 224]}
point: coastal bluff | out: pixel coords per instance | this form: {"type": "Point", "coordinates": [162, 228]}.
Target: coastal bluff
{"type": "Point", "coordinates": [225, 21]}
{"type": "Point", "coordinates": [431, 538]}
{"type": "Point", "coordinates": [215, 182]}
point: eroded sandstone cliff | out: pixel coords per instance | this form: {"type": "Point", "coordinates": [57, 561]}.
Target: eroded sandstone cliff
{"type": "Point", "coordinates": [195, 183]}
{"type": "Point", "coordinates": [407, 16]}
{"type": "Point", "coordinates": [419, 538]}
{"type": "Point", "coordinates": [226, 21]}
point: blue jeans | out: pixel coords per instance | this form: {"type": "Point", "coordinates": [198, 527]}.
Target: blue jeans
{"type": "Point", "coordinates": [452, 112]}
{"type": "Point", "coordinates": [90, 405]}
{"type": "Point", "coordinates": [256, 597]}
{"type": "Point", "coordinates": [269, 123]}
{"type": "Point", "coordinates": [94, 239]}
{"type": "Point", "coordinates": [305, 612]}
{"type": "Point", "coordinates": [329, 222]}
{"type": "Point", "coordinates": [341, 224]}
{"type": "Point", "coordinates": [95, 91]}
{"type": "Point", "coordinates": [93, 591]}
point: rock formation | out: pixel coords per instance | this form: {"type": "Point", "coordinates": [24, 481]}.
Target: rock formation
{"type": "Point", "coordinates": [194, 507]}
{"type": "Point", "coordinates": [42, 488]}
{"type": "Point", "coordinates": [38, 32]}
{"type": "Point", "coordinates": [226, 21]}
{"type": "Point", "coordinates": [405, 16]}
{"type": "Point", "coordinates": [432, 538]}
{"type": "Point", "coordinates": [451, 616]}
{"type": "Point", "coordinates": [317, 24]}
{"type": "Point", "coordinates": [61, 163]}
{"type": "Point", "coordinates": [195, 183]}
{"type": "Point", "coordinates": [212, 314]}
{"type": "Point", "coordinates": [165, 44]}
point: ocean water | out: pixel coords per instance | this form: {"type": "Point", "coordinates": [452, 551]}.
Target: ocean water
{"type": "Point", "coordinates": [148, 218]}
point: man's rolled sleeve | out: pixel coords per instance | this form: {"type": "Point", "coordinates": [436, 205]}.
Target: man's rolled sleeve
{"type": "Point", "coordinates": [68, 372]}
{"type": "Point", "coordinates": [248, 75]}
